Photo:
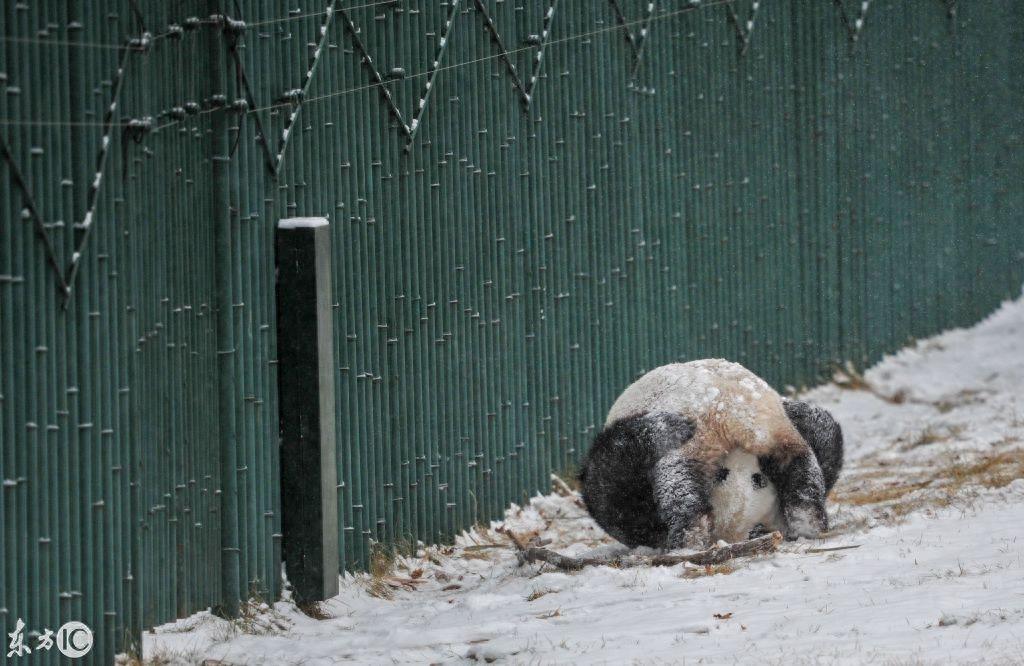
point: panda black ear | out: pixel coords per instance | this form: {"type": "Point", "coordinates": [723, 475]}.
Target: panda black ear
{"type": "Point", "coordinates": [671, 430]}
{"type": "Point", "coordinates": [660, 431]}
{"type": "Point", "coordinates": [822, 433]}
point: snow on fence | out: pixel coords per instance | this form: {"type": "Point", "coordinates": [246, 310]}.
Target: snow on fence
{"type": "Point", "coordinates": [530, 204]}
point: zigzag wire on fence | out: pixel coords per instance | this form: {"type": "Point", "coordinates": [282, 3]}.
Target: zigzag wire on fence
{"type": "Point", "coordinates": [378, 80]}
{"type": "Point", "coordinates": [620, 17]}
{"type": "Point", "coordinates": [32, 212]}
{"type": "Point", "coordinates": [137, 127]}
{"type": "Point", "coordinates": [645, 30]}
{"type": "Point", "coordinates": [232, 29]}
{"type": "Point", "coordinates": [525, 90]}
{"type": "Point", "coordinates": [250, 102]}
{"type": "Point", "coordinates": [636, 43]}
{"type": "Point", "coordinates": [408, 129]}
{"type": "Point", "coordinates": [66, 277]}
{"type": "Point", "coordinates": [492, 29]}
{"type": "Point", "coordinates": [83, 228]}
{"type": "Point", "coordinates": [297, 95]}
{"type": "Point", "coordinates": [538, 58]}
{"type": "Point", "coordinates": [134, 128]}
{"type": "Point", "coordinates": [367, 60]}
{"type": "Point", "coordinates": [173, 28]}
{"type": "Point", "coordinates": [744, 29]}
{"type": "Point", "coordinates": [854, 26]}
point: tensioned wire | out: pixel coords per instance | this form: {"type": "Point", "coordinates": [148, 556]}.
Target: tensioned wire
{"type": "Point", "coordinates": [205, 21]}
{"type": "Point", "coordinates": [368, 86]}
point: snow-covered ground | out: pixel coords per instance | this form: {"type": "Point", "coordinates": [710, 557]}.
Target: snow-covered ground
{"type": "Point", "coordinates": [931, 502]}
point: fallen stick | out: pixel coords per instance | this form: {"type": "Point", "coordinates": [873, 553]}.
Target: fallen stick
{"type": "Point", "coordinates": [716, 555]}
{"type": "Point", "coordinates": [560, 487]}
{"type": "Point", "coordinates": [829, 550]}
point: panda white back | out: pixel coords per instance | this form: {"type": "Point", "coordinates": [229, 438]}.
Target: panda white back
{"type": "Point", "coordinates": [744, 498]}
{"type": "Point", "coordinates": [730, 405]}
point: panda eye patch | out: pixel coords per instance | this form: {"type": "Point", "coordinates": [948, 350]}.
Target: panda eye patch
{"type": "Point", "coordinates": [722, 474]}
{"type": "Point", "coordinates": [758, 480]}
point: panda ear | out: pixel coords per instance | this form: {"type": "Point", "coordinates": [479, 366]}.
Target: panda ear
{"type": "Point", "coordinates": [671, 430]}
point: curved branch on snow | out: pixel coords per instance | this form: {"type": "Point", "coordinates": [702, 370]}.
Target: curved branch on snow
{"type": "Point", "coordinates": [716, 555]}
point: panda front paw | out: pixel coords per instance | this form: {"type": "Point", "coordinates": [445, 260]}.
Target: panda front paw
{"type": "Point", "coordinates": [695, 536]}
{"type": "Point", "coordinates": [805, 521]}
{"type": "Point", "coordinates": [757, 531]}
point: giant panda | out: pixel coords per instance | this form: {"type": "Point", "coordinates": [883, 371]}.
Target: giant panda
{"type": "Point", "coordinates": [707, 449]}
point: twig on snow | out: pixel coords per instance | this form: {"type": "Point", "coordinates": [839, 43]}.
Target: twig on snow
{"type": "Point", "coordinates": [828, 550]}
{"type": "Point", "coordinates": [561, 487]}
{"type": "Point", "coordinates": [516, 541]}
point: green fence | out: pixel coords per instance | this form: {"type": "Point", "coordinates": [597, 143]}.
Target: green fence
{"type": "Point", "coordinates": [532, 202]}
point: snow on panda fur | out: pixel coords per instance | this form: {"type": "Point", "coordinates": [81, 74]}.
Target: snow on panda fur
{"type": "Point", "coordinates": [708, 449]}
{"type": "Point", "coordinates": [731, 407]}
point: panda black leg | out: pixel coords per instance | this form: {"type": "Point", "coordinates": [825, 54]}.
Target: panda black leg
{"type": "Point", "coordinates": [683, 498]}
{"type": "Point", "coordinates": [822, 434]}
{"type": "Point", "coordinates": [801, 488]}
{"type": "Point", "coordinates": [617, 475]}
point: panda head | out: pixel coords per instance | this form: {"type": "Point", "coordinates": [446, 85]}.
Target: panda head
{"type": "Point", "coordinates": [743, 498]}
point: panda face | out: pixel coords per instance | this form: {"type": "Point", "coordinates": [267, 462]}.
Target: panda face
{"type": "Point", "coordinates": [757, 480]}
{"type": "Point", "coordinates": [742, 497]}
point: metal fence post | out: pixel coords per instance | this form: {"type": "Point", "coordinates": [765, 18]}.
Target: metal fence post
{"type": "Point", "coordinates": [305, 380]}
